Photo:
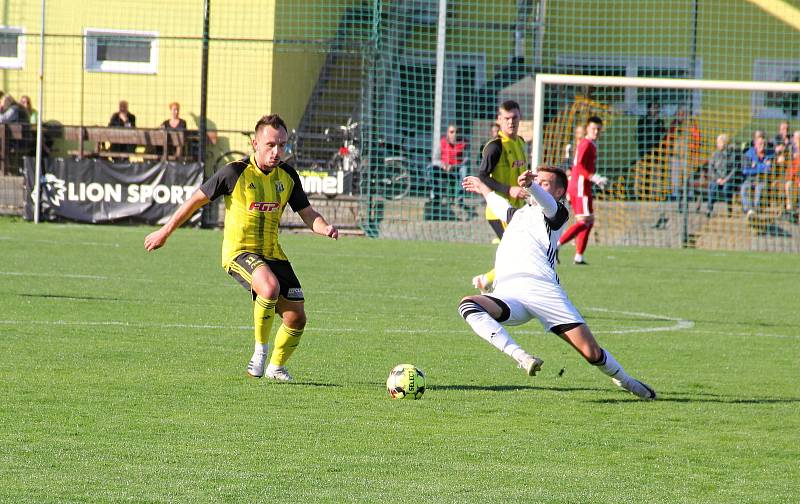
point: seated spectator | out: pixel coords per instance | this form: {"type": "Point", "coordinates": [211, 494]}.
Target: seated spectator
{"type": "Point", "coordinates": [494, 131]}
{"type": "Point", "coordinates": [122, 119]}
{"type": "Point", "coordinates": [445, 176]}
{"type": "Point", "coordinates": [781, 142]}
{"type": "Point", "coordinates": [755, 168]}
{"type": "Point", "coordinates": [174, 122]}
{"type": "Point", "coordinates": [649, 129]}
{"type": "Point", "coordinates": [27, 105]}
{"type": "Point", "coordinates": [11, 112]}
{"type": "Point", "coordinates": [721, 169]}
{"type": "Point", "coordinates": [792, 185]}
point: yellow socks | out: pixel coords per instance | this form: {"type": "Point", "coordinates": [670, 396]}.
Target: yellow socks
{"type": "Point", "coordinates": [286, 340]}
{"type": "Point", "coordinates": [263, 315]}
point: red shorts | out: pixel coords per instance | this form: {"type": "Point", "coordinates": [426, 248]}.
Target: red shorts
{"type": "Point", "coordinates": [581, 205]}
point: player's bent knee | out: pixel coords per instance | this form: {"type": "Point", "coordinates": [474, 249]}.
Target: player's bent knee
{"type": "Point", "coordinates": [294, 319]}
{"type": "Point", "coordinates": [469, 306]}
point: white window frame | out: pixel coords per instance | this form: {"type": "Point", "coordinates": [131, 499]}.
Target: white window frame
{"type": "Point", "coordinates": [632, 64]}
{"type": "Point", "coordinates": [19, 61]}
{"type": "Point", "coordinates": [419, 58]}
{"type": "Point", "coordinates": [770, 70]}
{"type": "Point", "coordinates": [93, 65]}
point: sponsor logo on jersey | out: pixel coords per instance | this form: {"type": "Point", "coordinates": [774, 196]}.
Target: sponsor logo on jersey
{"type": "Point", "coordinates": [264, 206]}
{"type": "Point", "coordinates": [251, 186]}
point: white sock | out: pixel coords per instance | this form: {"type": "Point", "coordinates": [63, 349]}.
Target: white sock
{"type": "Point", "coordinates": [609, 366]}
{"type": "Point", "coordinates": [578, 257]}
{"type": "Point", "coordinates": [261, 349]}
{"type": "Point", "coordinates": [489, 329]}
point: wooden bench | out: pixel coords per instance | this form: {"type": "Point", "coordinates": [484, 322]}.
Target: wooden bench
{"type": "Point", "coordinates": [107, 140]}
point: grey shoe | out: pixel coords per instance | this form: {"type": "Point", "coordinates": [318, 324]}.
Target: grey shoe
{"type": "Point", "coordinates": [530, 364]}
{"type": "Point", "coordinates": [279, 374]}
{"type": "Point", "coordinates": [635, 387]}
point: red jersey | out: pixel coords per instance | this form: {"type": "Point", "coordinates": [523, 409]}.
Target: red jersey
{"type": "Point", "coordinates": [452, 154]}
{"type": "Point", "coordinates": [583, 168]}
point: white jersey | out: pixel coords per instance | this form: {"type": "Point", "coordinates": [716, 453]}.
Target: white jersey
{"type": "Point", "coordinates": [529, 244]}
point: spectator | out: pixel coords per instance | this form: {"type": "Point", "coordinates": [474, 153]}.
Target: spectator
{"type": "Point", "coordinates": [494, 131]}
{"type": "Point", "coordinates": [650, 129]}
{"type": "Point", "coordinates": [792, 185]}
{"type": "Point", "coordinates": [122, 119]}
{"type": "Point", "coordinates": [11, 112]}
{"type": "Point", "coordinates": [174, 122]}
{"type": "Point", "coordinates": [781, 142]}
{"type": "Point", "coordinates": [721, 169]}
{"type": "Point", "coordinates": [684, 142]}
{"type": "Point", "coordinates": [756, 166]}
{"type": "Point", "coordinates": [26, 104]}
{"type": "Point", "coordinates": [445, 176]}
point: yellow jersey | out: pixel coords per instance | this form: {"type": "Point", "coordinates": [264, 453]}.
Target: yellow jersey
{"type": "Point", "coordinates": [502, 161]}
{"type": "Point", "coordinates": [254, 203]}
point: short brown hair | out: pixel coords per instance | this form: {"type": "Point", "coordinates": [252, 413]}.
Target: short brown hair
{"type": "Point", "coordinates": [273, 120]}
{"type": "Point", "coordinates": [509, 105]}
{"type": "Point", "coordinates": [174, 104]}
{"type": "Point", "coordinates": [561, 176]}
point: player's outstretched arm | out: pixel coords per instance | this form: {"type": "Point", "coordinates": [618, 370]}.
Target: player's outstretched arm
{"type": "Point", "coordinates": [157, 239]}
{"type": "Point", "coordinates": [317, 223]}
{"type": "Point", "coordinates": [494, 201]}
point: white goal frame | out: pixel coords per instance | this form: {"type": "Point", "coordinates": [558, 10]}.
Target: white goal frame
{"type": "Point", "coordinates": [638, 82]}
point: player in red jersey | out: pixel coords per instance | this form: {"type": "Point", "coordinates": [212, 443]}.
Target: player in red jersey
{"type": "Point", "coordinates": [579, 191]}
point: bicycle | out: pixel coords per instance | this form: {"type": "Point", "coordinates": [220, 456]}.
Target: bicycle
{"type": "Point", "coordinates": [232, 155]}
{"type": "Point", "coordinates": [391, 180]}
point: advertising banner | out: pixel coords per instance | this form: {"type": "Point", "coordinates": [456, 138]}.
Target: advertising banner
{"type": "Point", "coordinates": [98, 191]}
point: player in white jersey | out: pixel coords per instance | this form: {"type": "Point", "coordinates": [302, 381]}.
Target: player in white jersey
{"type": "Point", "coordinates": [527, 284]}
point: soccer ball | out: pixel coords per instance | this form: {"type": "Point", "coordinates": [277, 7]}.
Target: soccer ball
{"type": "Point", "coordinates": [406, 382]}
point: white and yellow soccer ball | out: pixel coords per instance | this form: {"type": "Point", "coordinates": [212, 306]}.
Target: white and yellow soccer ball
{"type": "Point", "coordinates": [406, 382]}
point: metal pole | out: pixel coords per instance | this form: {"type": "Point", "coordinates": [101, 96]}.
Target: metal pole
{"type": "Point", "coordinates": [684, 202]}
{"type": "Point", "coordinates": [201, 155]}
{"type": "Point", "coordinates": [209, 214]}
{"type": "Point", "coordinates": [37, 184]}
{"type": "Point", "coordinates": [440, 69]}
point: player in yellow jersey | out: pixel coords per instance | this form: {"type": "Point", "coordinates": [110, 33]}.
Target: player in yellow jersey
{"type": "Point", "coordinates": [257, 190]}
{"type": "Point", "coordinates": [503, 160]}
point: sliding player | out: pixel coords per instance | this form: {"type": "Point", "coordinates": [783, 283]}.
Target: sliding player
{"type": "Point", "coordinates": [503, 160]}
{"type": "Point", "coordinates": [527, 285]}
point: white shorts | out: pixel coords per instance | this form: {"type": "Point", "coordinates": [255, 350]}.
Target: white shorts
{"type": "Point", "coordinates": [529, 298]}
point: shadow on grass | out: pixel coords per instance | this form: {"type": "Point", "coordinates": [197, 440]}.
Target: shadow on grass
{"type": "Point", "coordinates": [704, 398]}
{"type": "Point", "coordinates": [79, 298]}
{"type": "Point", "coordinates": [308, 384]}
{"type": "Point", "coordinates": [512, 388]}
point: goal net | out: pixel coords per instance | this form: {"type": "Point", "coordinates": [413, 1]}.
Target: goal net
{"type": "Point", "coordinates": [689, 163]}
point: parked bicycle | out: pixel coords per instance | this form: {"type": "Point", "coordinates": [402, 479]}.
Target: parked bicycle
{"type": "Point", "coordinates": [232, 155]}
{"type": "Point", "coordinates": [390, 178]}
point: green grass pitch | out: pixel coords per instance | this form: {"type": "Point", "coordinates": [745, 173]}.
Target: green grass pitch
{"type": "Point", "coordinates": [122, 378]}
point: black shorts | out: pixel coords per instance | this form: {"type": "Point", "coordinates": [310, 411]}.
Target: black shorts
{"type": "Point", "coordinates": [246, 263]}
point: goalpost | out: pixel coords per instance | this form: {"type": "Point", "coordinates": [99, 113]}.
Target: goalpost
{"type": "Point", "coordinates": [659, 192]}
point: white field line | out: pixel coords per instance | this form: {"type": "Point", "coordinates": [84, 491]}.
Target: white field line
{"type": "Point", "coordinates": [679, 324]}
